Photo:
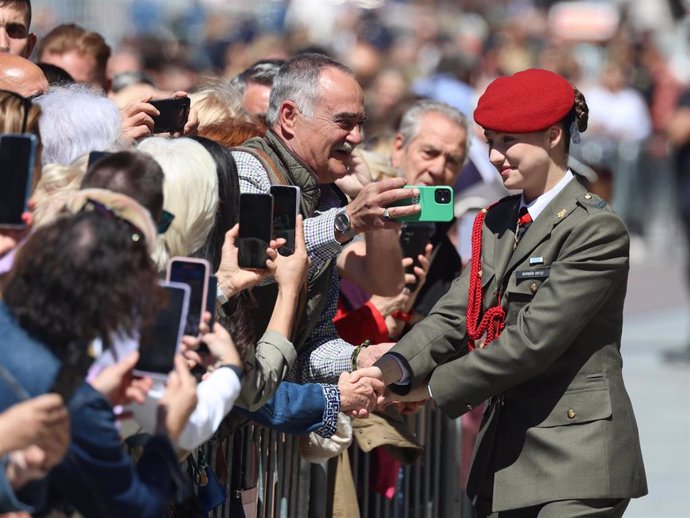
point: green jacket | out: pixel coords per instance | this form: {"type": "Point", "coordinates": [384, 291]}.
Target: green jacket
{"type": "Point", "coordinates": [559, 424]}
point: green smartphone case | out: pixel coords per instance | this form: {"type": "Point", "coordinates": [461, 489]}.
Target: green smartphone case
{"type": "Point", "coordinates": [435, 207]}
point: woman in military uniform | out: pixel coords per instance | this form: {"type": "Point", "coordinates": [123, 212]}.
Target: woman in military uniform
{"type": "Point", "coordinates": [533, 326]}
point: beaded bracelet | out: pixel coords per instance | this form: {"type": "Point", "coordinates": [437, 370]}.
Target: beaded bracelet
{"type": "Point", "coordinates": [355, 353]}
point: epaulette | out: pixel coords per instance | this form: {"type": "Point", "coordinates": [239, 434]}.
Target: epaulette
{"type": "Point", "coordinates": [589, 200]}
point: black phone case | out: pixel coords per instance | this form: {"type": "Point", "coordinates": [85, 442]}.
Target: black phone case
{"type": "Point", "coordinates": [413, 240]}
{"type": "Point", "coordinates": [256, 229]}
{"type": "Point", "coordinates": [173, 114]}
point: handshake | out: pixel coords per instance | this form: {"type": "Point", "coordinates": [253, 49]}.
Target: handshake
{"type": "Point", "coordinates": [364, 390]}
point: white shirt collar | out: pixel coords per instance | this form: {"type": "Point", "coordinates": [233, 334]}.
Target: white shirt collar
{"type": "Point", "coordinates": [537, 205]}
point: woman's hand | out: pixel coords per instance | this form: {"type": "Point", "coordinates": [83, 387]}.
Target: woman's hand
{"type": "Point", "coordinates": [291, 270]}
{"type": "Point", "coordinates": [178, 402]}
{"type": "Point", "coordinates": [231, 278]}
{"type": "Point", "coordinates": [221, 347]}
{"type": "Point", "coordinates": [119, 386]}
{"type": "Point", "coordinates": [137, 118]}
{"type": "Point", "coordinates": [192, 124]}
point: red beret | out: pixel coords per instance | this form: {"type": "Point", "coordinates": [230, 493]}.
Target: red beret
{"type": "Point", "coordinates": [527, 101]}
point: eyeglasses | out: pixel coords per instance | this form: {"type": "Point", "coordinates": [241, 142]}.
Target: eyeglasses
{"type": "Point", "coordinates": [165, 221]}
{"type": "Point", "coordinates": [27, 104]}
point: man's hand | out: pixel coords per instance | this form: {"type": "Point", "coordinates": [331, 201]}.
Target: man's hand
{"type": "Point", "coordinates": [367, 212]}
{"type": "Point", "coordinates": [359, 397]}
{"type": "Point", "coordinates": [369, 355]}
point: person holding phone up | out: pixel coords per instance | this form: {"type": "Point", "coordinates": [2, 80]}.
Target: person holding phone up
{"type": "Point", "coordinates": [309, 144]}
{"type": "Point", "coordinates": [534, 324]}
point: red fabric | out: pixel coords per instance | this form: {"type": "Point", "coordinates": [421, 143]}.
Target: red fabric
{"type": "Point", "coordinates": [384, 476]}
{"type": "Point", "coordinates": [527, 101]}
{"type": "Point", "coordinates": [365, 323]}
{"type": "Point", "coordinates": [525, 218]}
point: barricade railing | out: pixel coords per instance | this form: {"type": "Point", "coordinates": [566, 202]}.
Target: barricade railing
{"type": "Point", "coordinates": [287, 486]}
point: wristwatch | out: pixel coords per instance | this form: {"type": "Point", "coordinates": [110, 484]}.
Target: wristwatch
{"type": "Point", "coordinates": [343, 224]}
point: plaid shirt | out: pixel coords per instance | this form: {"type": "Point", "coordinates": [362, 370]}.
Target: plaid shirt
{"type": "Point", "coordinates": [324, 355]}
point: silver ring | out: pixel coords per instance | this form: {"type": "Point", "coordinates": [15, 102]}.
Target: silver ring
{"type": "Point", "coordinates": [386, 214]}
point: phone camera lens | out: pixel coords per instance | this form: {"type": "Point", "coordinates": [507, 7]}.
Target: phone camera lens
{"type": "Point", "coordinates": [442, 196]}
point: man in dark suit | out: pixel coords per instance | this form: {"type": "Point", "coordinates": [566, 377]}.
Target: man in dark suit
{"type": "Point", "coordinates": [534, 325]}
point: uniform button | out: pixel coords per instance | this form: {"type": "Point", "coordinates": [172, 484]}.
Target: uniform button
{"type": "Point", "coordinates": [588, 196]}
{"type": "Point", "coordinates": [533, 287]}
{"type": "Point", "coordinates": [571, 413]}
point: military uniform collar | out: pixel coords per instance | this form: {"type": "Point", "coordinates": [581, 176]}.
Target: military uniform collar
{"type": "Point", "coordinates": [536, 206]}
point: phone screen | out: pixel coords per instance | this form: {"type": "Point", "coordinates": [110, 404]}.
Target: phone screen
{"type": "Point", "coordinates": [161, 338]}
{"type": "Point", "coordinates": [256, 229]}
{"type": "Point", "coordinates": [173, 114]}
{"type": "Point", "coordinates": [211, 299]}
{"type": "Point", "coordinates": [285, 206]}
{"type": "Point", "coordinates": [16, 171]}
{"type": "Point", "coordinates": [195, 275]}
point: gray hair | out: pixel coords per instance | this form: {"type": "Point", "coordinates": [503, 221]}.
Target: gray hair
{"type": "Point", "coordinates": [76, 120]}
{"type": "Point", "coordinates": [412, 119]}
{"type": "Point", "coordinates": [298, 81]}
{"type": "Point", "coordinates": [262, 72]}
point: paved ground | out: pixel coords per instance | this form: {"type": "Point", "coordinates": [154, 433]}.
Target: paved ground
{"type": "Point", "coordinates": [658, 319]}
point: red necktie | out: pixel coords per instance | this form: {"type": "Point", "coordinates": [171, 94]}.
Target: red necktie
{"type": "Point", "coordinates": [523, 223]}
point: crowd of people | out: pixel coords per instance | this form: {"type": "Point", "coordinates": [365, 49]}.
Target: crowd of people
{"type": "Point", "coordinates": [520, 333]}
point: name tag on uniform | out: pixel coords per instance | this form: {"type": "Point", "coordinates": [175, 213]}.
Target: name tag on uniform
{"type": "Point", "coordinates": [538, 273]}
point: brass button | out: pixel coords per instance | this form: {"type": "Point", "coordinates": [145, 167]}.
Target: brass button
{"type": "Point", "coordinates": [588, 196]}
{"type": "Point", "coordinates": [571, 413]}
{"type": "Point", "coordinates": [533, 287]}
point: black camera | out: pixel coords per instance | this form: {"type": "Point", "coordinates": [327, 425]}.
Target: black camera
{"type": "Point", "coordinates": [442, 196]}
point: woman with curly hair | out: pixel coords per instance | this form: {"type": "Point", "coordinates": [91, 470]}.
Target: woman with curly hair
{"type": "Point", "coordinates": [89, 275]}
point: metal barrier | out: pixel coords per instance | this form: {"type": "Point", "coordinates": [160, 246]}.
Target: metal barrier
{"type": "Point", "coordinates": [290, 487]}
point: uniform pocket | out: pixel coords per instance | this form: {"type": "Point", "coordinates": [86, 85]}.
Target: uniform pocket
{"type": "Point", "coordinates": [573, 407]}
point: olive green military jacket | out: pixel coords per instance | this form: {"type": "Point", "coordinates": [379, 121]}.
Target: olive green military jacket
{"type": "Point", "coordinates": [559, 423]}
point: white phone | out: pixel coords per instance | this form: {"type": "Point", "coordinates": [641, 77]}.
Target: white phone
{"type": "Point", "coordinates": [195, 273]}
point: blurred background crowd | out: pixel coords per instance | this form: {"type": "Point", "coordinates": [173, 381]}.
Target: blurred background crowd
{"type": "Point", "coordinates": [631, 58]}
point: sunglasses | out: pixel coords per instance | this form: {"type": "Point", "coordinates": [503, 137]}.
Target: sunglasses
{"type": "Point", "coordinates": [165, 221]}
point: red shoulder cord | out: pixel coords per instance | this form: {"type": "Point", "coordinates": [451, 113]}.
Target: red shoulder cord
{"type": "Point", "coordinates": [493, 321]}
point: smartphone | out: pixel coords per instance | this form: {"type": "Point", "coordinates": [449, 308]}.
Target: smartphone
{"type": "Point", "coordinates": [95, 156]}
{"type": "Point", "coordinates": [173, 114]}
{"type": "Point", "coordinates": [17, 154]}
{"type": "Point", "coordinates": [74, 367]}
{"type": "Point", "coordinates": [414, 237]}
{"type": "Point", "coordinates": [160, 340]}
{"type": "Point", "coordinates": [256, 229]}
{"type": "Point", "coordinates": [286, 200]}
{"type": "Point", "coordinates": [193, 272]}
{"type": "Point", "coordinates": [436, 202]}
{"type": "Point", "coordinates": [211, 299]}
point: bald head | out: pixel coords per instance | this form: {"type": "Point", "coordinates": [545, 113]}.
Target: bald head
{"type": "Point", "coordinates": [20, 75]}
